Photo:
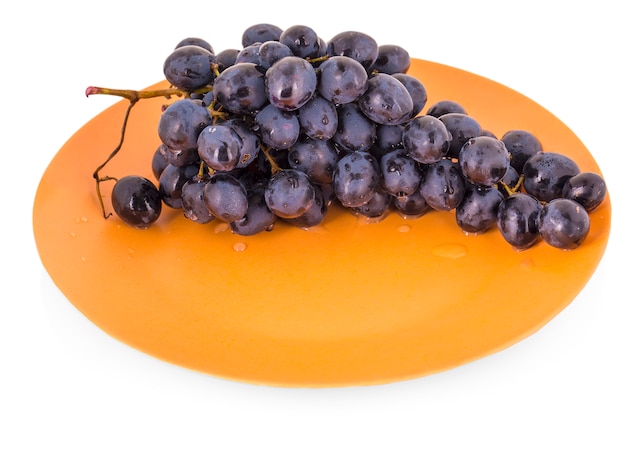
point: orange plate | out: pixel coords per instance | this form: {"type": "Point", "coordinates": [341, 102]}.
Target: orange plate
{"type": "Point", "coordinates": [347, 303]}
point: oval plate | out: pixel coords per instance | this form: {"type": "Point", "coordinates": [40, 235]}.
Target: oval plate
{"type": "Point", "coordinates": [347, 303]}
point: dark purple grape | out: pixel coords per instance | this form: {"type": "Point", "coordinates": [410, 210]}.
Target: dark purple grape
{"type": "Point", "coordinates": [192, 40]}
{"type": "Point", "coordinates": [522, 145]}
{"type": "Point", "coordinates": [189, 67]}
{"type": "Point", "coordinates": [226, 58]}
{"type": "Point", "coordinates": [136, 201]}
{"type": "Point", "coordinates": [171, 182]}
{"type": "Point", "coordinates": [509, 181]}
{"type": "Point", "coordinates": [226, 197]}
{"type": "Point", "coordinates": [342, 79]}
{"type": "Point", "coordinates": [392, 59]}
{"type": "Point", "coordinates": [484, 160]}
{"type": "Point", "coordinates": [462, 128]}
{"type": "Point", "coordinates": [180, 157]}
{"type": "Point", "coordinates": [478, 211]}
{"type": "Point", "coordinates": [355, 131]}
{"type": "Point", "coordinates": [159, 161]}
{"type": "Point", "coordinates": [314, 215]}
{"type": "Point", "coordinates": [388, 138]}
{"type": "Point", "coordinates": [376, 208]}
{"type": "Point", "coordinates": [443, 185]}
{"type": "Point", "coordinates": [545, 174]}
{"type": "Point", "coordinates": [356, 178]}
{"type": "Point", "coordinates": [277, 128]}
{"type": "Point", "coordinates": [302, 40]}
{"type": "Point", "coordinates": [356, 45]}
{"type": "Point", "coordinates": [258, 217]}
{"type": "Point", "coordinates": [412, 206]}
{"type": "Point", "coordinates": [290, 82]}
{"type": "Point", "coordinates": [219, 147]}
{"type": "Point", "coordinates": [416, 89]}
{"type": "Point", "coordinates": [316, 158]}
{"type": "Point", "coordinates": [586, 188]}
{"type": "Point", "coordinates": [563, 223]}
{"type": "Point", "coordinates": [426, 139]}
{"type": "Point", "coordinates": [445, 106]}
{"type": "Point", "coordinates": [386, 100]}
{"type": "Point", "coordinates": [250, 142]}
{"type": "Point", "coordinates": [318, 118]}
{"type": "Point", "coordinates": [518, 220]}
{"type": "Point", "coordinates": [401, 175]}
{"type": "Point", "coordinates": [192, 200]}
{"type": "Point", "coordinates": [271, 51]}
{"type": "Point", "coordinates": [181, 123]}
{"type": "Point", "coordinates": [289, 193]}
{"type": "Point", "coordinates": [240, 88]}
{"type": "Point", "coordinates": [249, 54]}
{"type": "Point", "coordinates": [260, 32]}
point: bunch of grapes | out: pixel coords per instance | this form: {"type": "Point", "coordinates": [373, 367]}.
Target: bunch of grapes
{"type": "Point", "coordinates": [288, 125]}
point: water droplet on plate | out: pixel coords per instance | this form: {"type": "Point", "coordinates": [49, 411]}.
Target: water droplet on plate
{"type": "Point", "coordinates": [404, 228]}
{"type": "Point", "coordinates": [450, 250]}
{"type": "Point", "coordinates": [239, 247]}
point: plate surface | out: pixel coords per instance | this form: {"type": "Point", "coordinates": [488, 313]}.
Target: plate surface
{"type": "Point", "coordinates": [346, 303]}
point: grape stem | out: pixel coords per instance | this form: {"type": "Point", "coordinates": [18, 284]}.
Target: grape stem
{"type": "Point", "coordinates": [511, 190]}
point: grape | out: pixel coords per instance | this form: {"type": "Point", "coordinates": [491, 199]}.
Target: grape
{"type": "Point", "coordinates": [392, 59]}
{"type": "Point", "coordinates": [316, 158]}
{"type": "Point", "coordinates": [240, 88]}
{"type": "Point", "coordinates": [226, 58]}
{"type": "Point", "coordinates": [478, 211]}
{"type": "Point", "coordinates": [416, 89]}
{"type": "Point", "coordinates": [278, 129]}
{"type": "Point", "coordinates": [258, 216]}
{"type": "Point", "coordinates": [314, 215]}
{"type": "Point", "coordinates": [249, 54]}
{"type": "Point", "coordinates": [171, 182]}
{"type": "Point", "coordinates": [400, 174]}
{"type": "Point", "coordinates": [271, 51]}
{"type": "Point", "coordinates": [189, 67]}
{"type": "Point", "coordinates": [356, 178]}
{"type": "Point", "coordinates": [426, 139]}
{"type": "Point", "coordinates": [518, 220]}
{"type": "Point", "coordinates": [250, 142]}
{"type": "Point", "coordinates": [181, 123]}
{"type": "Point", "coordinates": [192, 200]}
{"type": "Point", "coordinates": [289, 193]}
{"type": "Point", "coordinates": [302, 40]}
{"type": "Point", "coordinates": [355, 131]}
{"type": "Point", "coordinates": [225, 197]}
{"type": "Point", "coordinates": [388, 138]}
{"type": "Point", "coordinates": [522, 145]}
{"type": "Point", "coordinates": [545, 174]}
{"type": "Point", "coordinates": [318, 118]}
{"type": "Point", "coordinates": [136, 201]}
{"type": "Point", "coordinates": [510, 179]}
{"type": "Point", "coordinates": [376, 208]}
{"type": "Point", "coordinates": [443, 185]}
{"type": "Point", "coordinates": [586, 188]}
{"type": "Point", "coordinates": [342, 79]}
{"type": "Point", "coordinates": [159, 162]}
{"type": "Point", "coordinates": [411, 206]}
{"type": "Point", "coordinates": [219, 146]}
{"type": "Point", "coordinates": [180, 157]}
{"type": "Point", "coordinates": [356, 45]}
{"type": "Point", "coordinates": [260, 33]}
{"type": "Point", "coordinates": [386, 100]}
{"type": "Point", "coordinates": [290, 82]}
{"type": "Point", "coordinates": [462, 128]}
{"type": "Point", "coordinates": [195, 41]}
{"type": "Point", "coordinates": [445, 106]}
{"type": "Point", "coordinates": [563, 223]}
{"type": "Point", "coordinates": [484, 160]}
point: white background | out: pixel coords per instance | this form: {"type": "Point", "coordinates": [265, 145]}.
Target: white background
{"type": "Point", "coordinates": [74, 401]}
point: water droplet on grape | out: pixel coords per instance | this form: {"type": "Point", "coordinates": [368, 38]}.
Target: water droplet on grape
{"type": "Point", "coordinates": [450, 250]}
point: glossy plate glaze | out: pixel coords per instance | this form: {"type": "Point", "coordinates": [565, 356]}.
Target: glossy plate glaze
{"type": "Point", "coordinates": [347, 303]}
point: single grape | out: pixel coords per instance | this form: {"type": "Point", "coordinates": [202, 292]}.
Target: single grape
{"type": "Point", "coordinates": [478, 211]}
{"type": "Point", "coordinates": [159, 161]}
{"type": "Point", "coordinates": [189, 67]}
{"type": "Point", "coordinates": [240, 88]}
{"type": "Point", "coordinates": [411, 206]}
{"type": "Point", "coordinates": [226, 58]}
{"type": "Point", "coordinates": [386, 100]}
{"type": "Point", "coordinates": [316, 158]}
{"type": "Point", "coordinates": [318, 118]}
{"type": "Point", "coordinates": [260, 32]}
{"type": "Point", "coordinates": [443, 185]}
{"type": "Point", "coordinates": [192, 40]}
{"type": "Point", "coordinates": [522, 145]}
{"type": "Point", "coordinates": [289, 193]}
{"type": "Point", "coordinates": [181, 122]}
{"type": "Point", "coordinates": [445, 106]}
{"type": "Point", "coordinates": [314, 215]}
{"type": "Point", "coordinates": [401, 175]}
{"type": "Point", "coordinates": [356, 178]}
{"type": "Point", "coordinates": [171, 182]}
{"type": "Point", "coordinates": [258, 216]}
{"type": "Point", "coordinates": [355, 131]}
{"type": "Point", "coordinates": [392, 59]}
{"type": "Point", "coordinates": [225, 197]}
{"type": "Point", "coordinates": [484, 160]}
{"type": "Point", "coordinates": [426, 139]}
{"type": "Point", "coordinates": [462, 128]}
{"type": "Point", "coordinates": [342, 79]}
{"type": "Point", "coordinates": [136, 201]}
{"type": "Point", "coordinates": [290, 82]}
{"type": "Point", "coordinates": [356, 45]}
{"type": "Point", "coordinates": [250, 141]}
{"type": "Point", "coordinates": [416, 89]}
{"type": "Point", "coordinates": [219, 146]}
{"type": "Point", "coordinates": [249, 54]}
{"type": "Point", "coordinates": [388, 138]}
{"type": "Point", "coordinates": [376, 208]}
{"type": "Point", "coordinates": [563, 223]}
{"type": "Point", "coordinates": [302, 40]}
{"type": "Point", "coordinates": [277, 128]}
{"type": "Point", "coordinates": [518, 220]}
{"type": "Point", "coordinates": [180, 157]}
{"type": "Point", "coordinates": [271, 51]}
{"type": "Point", "coordinates": [545, 174]}
{"type": "Point", "coordinates": [586, 188]}
{"type": "Point", "coordinates": [192, 200]}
